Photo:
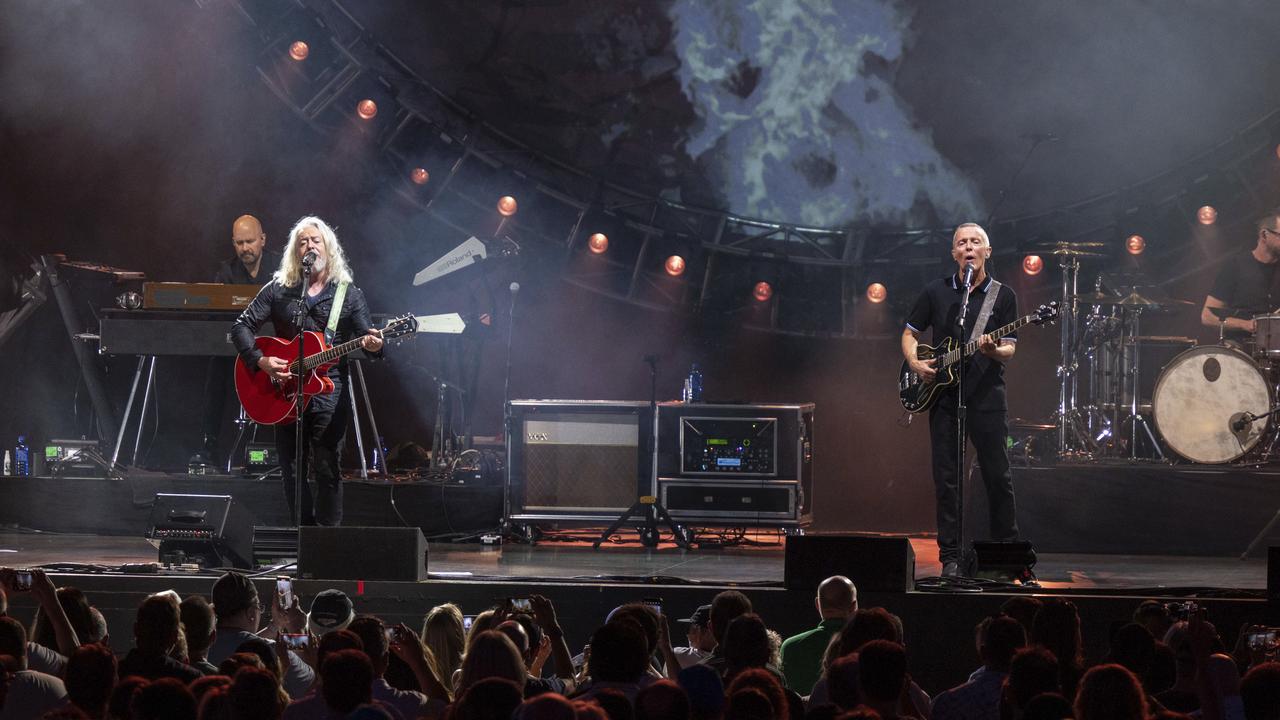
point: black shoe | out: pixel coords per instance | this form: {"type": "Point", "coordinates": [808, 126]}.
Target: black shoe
{"type": "Point", "coordinates": [951, 569]}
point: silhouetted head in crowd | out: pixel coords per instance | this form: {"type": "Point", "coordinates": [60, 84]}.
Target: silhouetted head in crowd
{"type": "Point", "coordinates": [746, 644]}
{"type": "Point", "coordinates": [156, 625]}
{"type": "Point", "coordinates": [705, 690]}
{"type": "Point", "coordinates": [346, 680]}
{"type": "Point", "coordinates": [767, 683]}
{"type": "Point", "coordinates": [1154, 616]}
{"type": "Point", "coordinates": [216, 704]}
{"type": "Point", "coordinates": [1164, 670]}
{"type": "Point", "coordinates": [618, 653]}
{"type": "Point", "coordinates": [373, 634]}
{"type": "Point", "coordinates": [726, 606]}
{"type": "Point", "coordinates": [486, 620]}
{"type": "Point", "coordinates": [842, 682]}
{"type": "Point", "coordinates": [663, 700]}
{"type": "Point", "coordinates": [615, 704]}
{"type": "Point", "coordinates": [532, 632]}
{"type": "Point", "coordinates": [749, 704]}
{"type": "Point", "coordinates": [516, 634]}
{"type": "Point", "coordinates": [265, 652]}
{"type": "Point", "coordinates": [235, 602]}
{"type": "Point", "coordinates": [89, 677]}
{"type": "Point", "coordinates": [1260, 692]}
{"type": "Point", "coordinates": [1134, 648]}
{"type": "Point", "coordinates": [79, 613]}
{"type": "Point", "coordinates": [998, 639]}
{"type": "Point", "coordinates": [863, 627]}
{"type": "Point", "coordinates": [1034, 670]}
{"type": "Point", "coordinates": [590, 710]}
{"type": "Point", "coordinates": [1110, 692]}
{"type": "Point", "coordinates": [644, 618]}
{"type": "Point", "coordinates": [13, 641]}
{"type": "Point", "coordinates": [1048, 706]}
{"type": "Point", "coordinates": [337, 640]}
{"type": "Point", "coordinates": [1057, 627]}
{"type": "Point", "coordinates": [235, 661]}
{"type": "Point", "coordinates": [372, 711]}
{"type": "Point", "coordinates": [256, 693]}
{"type": "Point", "coordinates": [163, 699]}
{"type": "Point", "coordinates": [198, 624]}
{"type": "Point", "coordinates": [490, 698]}
{"type": "Point", "coordinates": [882, 673]}
{"type": "Point", "coordinates": [442, 632]}
{"type": "Point", "coordinates": [330, 610]}
{"type": "Point", "coordinates": [1022, 608]}
{"type": "Point", "coordinates": [207, 684]}
{"type": "Point", "coordinates": [121, 702]}
{"type": "Point", "coordinates": [548, 706]}
{"type": "Point", "coordinates": [837, 598]}
{"type": "Point", "coordinates": [492, 654]}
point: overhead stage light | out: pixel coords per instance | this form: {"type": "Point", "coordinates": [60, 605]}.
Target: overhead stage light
{"type": "Point", "coordinates": [675, 266]}
{"type": "Point", "coordinates": [1135, 244]}
{"type": "Point", "coordinates": [1207, 215]}
{"type": "Point", "coordinates": [299, 50]}
{"type": "Point", "coordinates": [762, 291]}
{"type": "Point", "coordinates": [877, 293]}
{"type": "Point", "coordinates": [598, 243]}
{"type": "Point", "coordinates": [1032, 264]}
{"type": "Point", "coordinates": [420, 176]}
{"type": "Point", "coordinates": [506, 206]}
{"type": "Point", "coordinates": [366, 109]}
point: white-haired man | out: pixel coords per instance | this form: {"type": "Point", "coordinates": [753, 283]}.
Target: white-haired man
{"type": "Point", "coordinates": [327, 416]}
{"type": "Point", "coordinates": [987, 426]}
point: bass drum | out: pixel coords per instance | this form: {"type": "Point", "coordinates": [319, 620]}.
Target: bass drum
{"type": "Point", "coordinates": [1198, 397]}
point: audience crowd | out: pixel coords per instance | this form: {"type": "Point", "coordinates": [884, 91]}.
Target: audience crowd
{"type": "Point", "coordinates": [232, 656]}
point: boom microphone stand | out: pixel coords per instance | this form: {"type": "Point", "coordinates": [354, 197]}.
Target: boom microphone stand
{"type": "Point", "coordinates": [962, 410]}
{"type": "Point", "coordinates": [299, 399]}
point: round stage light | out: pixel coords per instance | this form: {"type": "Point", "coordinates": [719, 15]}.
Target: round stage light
{"type": "Point", "coordinates": [299, 50]}
{"type": "Point", "coordinates": [877, 293]}
{"type": "Point", "coordinates": [1207, 215]}
{"type": "Point", "coordinates": [598, 243]}
{"type": "Point", "coordinates": [762, 291]}
{"type": "Point", "coordinates": [1135, 244]}
{"type": "Point", "coordinates": [420, 176]}
{"type": "Point", "coordinates": [506, 206]}
{"type": "Point", "coordinates": [1032, 264]}
{"type": "Point", "coordinates": [366, 109]}
{"type": "Point", "coordinates": [674, 266]}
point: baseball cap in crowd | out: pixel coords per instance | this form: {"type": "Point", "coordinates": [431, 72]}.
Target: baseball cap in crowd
{"type": "Point", "coordinates": [700, 617]}
{"type": "Point", "coordinates": [330, 610]}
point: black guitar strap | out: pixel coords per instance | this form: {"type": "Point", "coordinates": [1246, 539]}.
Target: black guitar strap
{"type": "Point", "coordinates": [988, 303]}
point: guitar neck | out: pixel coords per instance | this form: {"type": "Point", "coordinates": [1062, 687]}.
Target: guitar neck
{"type": "Point", "coordinates": [327, 356]}
{"type": "Point", "coordinates": [971, 347]}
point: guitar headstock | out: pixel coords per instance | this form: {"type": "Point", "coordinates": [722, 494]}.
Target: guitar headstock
{"type": "Point", "coordinates": [399, 326]}
{"type": "Point", "coordinates": [1045, 313]}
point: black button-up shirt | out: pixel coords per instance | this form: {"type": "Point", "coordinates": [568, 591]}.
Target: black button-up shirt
{"type": "Point", "coordinates": [276, 303]}
{"type": "Point", "coordinates": [938, 307]}
{"type": "Point", "coordinates": [232, 271]}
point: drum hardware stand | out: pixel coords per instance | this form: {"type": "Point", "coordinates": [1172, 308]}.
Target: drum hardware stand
{"type": "Point", "coordinates": [1136, 418]}
{"type": "Point", "coordinates": [1237, 425]}
{"type": "Point", "coordinates": [1073, 434]}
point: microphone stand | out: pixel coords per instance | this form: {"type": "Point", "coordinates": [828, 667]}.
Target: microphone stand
{"type": "Point", "coordinates": [508, 423]}
{"type": "Point", "coordinates": [299, 399]}
{"type": "Point", "coordinates": [962, 411]}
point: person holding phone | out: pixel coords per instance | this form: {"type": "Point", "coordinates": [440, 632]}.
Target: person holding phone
{"type": "Point", "coordinates": [240, 617]}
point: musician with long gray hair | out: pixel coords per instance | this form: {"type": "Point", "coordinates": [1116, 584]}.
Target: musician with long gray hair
{"type": "Point", "coordinates": [938, 307]}
{"type": "Point", "coordinates": [327, 416]}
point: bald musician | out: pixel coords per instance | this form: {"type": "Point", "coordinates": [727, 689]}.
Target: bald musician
{"type": "Point", "coordinates": [251, 264]}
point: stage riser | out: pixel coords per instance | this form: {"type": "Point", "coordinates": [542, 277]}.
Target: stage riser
{"type": "Point", "coordinates": [932, 621]}
{"type": "Point", "coordinates": [122, 507]}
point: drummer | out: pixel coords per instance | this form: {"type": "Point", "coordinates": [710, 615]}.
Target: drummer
{"type": "Point", "coordinates": [1248, 281]}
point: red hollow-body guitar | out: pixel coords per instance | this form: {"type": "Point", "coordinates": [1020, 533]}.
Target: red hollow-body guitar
{"type": "Point", "coordinates": [270, 402]}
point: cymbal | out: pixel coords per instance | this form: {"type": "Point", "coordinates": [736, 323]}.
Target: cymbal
{"type": "Point", "coordinates": [1098, 298]}
{"type": "Point", "coordinates": [1137, 299]}
{"type": "Point", "coordinates": [1073, 252]}
{"type": "Point", "coordinates": [1080, 244]}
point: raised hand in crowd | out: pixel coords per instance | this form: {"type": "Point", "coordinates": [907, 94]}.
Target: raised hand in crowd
{"type": "Point", "coordinates": [406, 645]}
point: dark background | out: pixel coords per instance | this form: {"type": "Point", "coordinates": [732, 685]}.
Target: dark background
{"type": "Point", "coordinates": [133, 133]}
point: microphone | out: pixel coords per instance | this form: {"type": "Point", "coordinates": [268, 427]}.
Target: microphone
{"type": "Point", "coordinates": [1239, 422]}
{"type": "Point", "coordinates": [309, 259]}
{"type": "Point", "coordinates": [969, 270]}
{"type": "Point", "coordinates": [514, 288]}
{"type": "Point", "coordinates": [650, 358]}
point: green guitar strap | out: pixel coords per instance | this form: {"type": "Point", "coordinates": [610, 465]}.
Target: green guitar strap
{"type": "Point", "coordinates": [984, 314]}
{"type": "Point", "coordinates": [338, 296]}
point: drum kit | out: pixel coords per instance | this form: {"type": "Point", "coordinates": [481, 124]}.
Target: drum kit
{"type": "Point", "coordinates": [1209, 403]}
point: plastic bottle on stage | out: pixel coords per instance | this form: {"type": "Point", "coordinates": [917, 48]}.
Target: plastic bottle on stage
{"type": "Point", "coordinates": [22, 458]}
{"type": "Point", "coordinates": [693, 385]}
{"type": "Point", "coordinates": [8, 463]}
{"type": "Point", "coordinates": [379, 453]}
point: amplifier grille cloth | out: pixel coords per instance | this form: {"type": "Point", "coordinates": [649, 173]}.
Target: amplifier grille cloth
{"type": "Point", "coordinates": [580, 476]}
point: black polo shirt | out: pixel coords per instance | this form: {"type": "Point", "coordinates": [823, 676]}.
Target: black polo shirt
{"type": "Point", "coordinates": [938, 307]}
{"type": "Point", "coordinates": [1247, 286]}
{"type": "Point", "coordinates": [232, 271]}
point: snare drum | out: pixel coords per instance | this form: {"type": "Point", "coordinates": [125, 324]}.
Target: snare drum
{"type": "Point", "coordinates": [1267, 337]}
{"type": "Point", "coordinates": [1198, 397]}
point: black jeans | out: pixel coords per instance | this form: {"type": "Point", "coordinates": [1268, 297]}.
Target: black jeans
{"type": "Point", "coordinates": [324, 429]}
{"type": "Point", "coordinates": [988, 431]}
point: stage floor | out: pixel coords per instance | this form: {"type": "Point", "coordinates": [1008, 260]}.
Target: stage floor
{"type": "Point", "coordinates": [758, 564]}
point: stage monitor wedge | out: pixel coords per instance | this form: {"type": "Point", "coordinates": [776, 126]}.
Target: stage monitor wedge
{"type": "Point", "coordinates": [362, 553]}
{"type": "Point", "coordinates": [874, 563]}
{"type": "Point", "coordinates": [207, 530]}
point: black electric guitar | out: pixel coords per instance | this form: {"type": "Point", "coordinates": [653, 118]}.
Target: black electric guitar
{"type": "Point", "coordinates": [918, 395]}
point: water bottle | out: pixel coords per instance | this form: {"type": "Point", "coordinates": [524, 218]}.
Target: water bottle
{"type": "Point", "coordinates": [22, 458]}
{"type": "Point", "coordinates": [379, 453]}
{"type": "Point", "coordinates": [694, 385]}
